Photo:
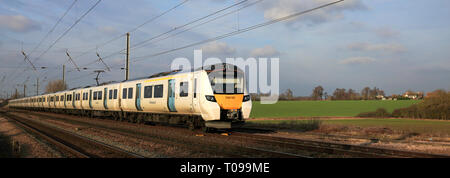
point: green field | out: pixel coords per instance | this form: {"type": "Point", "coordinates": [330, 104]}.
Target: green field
{"type": "Point", "coordinates": [408, 125]}
{"type": "Point", "coordinates": [324, 108]}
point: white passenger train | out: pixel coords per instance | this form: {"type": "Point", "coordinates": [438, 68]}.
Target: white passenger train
{"type": "Point", "coordinates": [210, 97]}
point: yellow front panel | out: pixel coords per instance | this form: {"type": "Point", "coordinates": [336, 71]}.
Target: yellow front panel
{"type": "Point", "coordinates": [229, 101]}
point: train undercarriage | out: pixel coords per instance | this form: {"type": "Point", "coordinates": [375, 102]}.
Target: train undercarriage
{"type": "Point", "coordinates": [193, 122]}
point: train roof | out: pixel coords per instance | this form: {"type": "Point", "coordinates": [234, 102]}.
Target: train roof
{"type": "Point", "coordinates": [208, 68]}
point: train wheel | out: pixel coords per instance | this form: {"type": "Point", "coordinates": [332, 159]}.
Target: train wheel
{"type": "Point", "coordinates": [206, 129]}
{"type": "Point", "coordinates": [190, 125]}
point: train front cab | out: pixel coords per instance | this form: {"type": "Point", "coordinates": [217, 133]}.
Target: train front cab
{"type": "Point", "coordinates": [226, 102]}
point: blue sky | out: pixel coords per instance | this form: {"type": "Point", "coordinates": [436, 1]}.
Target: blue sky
{"type": "Point", "coordinates": [394, 45]}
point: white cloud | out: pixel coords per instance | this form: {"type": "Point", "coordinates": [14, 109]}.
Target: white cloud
{"type": "Point", "coordinates": [386, 32]}
{"type": "Point", "coordinates": [357, 60]}
{"type": "Point", "coordinates": [218, 48]}
{"type": "Point", "coordinates": [266, 51]}
{"type": "Point", "coordinates": [18, 23]}
{"type": "Point", "coordinates": [107, 29]}
{"type": "Point", "coordinates": [281, 8]}
{"type": "Point", "coordinates": [393, 48]}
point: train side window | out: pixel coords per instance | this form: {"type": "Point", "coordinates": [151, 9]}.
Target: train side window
{"type": "Point", "coordinates": [99, 95]}
{"type": "Point", "coordinates": [95, 95]}
{"type": "Point", "coordinates": [148, 90]}
{"type": "Point", "coordinates": [124, 93]}
{"type": "Point", "coordinates": [115, 93]}
{"type": "Point", "coordinates": [159, 89]}
{"type": "Point", "coordinates": [130, 93]}
{"type": "Point", "coordinates": [110, 94]}
{"type": "Point", "coordinates": [184, 87]}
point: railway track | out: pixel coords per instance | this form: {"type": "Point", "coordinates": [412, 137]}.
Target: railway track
{"type": "Point", "coordinates": [332, 148]}
{"type": "Point", "coordinates": [221, 149]}
{"type": "Point", "coordinates": [264, 146]}
{"type": "Point", "coordinates": [70, 144]}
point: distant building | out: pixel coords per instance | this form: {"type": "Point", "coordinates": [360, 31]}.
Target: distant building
{"type": "Point", "coordinates": [413, 95]}
{"type": "Point", "coordinates": [381, 97]}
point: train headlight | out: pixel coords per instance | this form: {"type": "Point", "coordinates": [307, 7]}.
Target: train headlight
{"type": "Point", "coordinates": [210, 98]}
{"type": "Point", "coordinates": [246, 98]}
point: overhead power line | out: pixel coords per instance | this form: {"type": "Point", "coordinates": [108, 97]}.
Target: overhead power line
{"type": "Point", "coordinates": [53, 28]}
{"type": "Point", "coordinates": [48, 33]}
{"type": "Point", "coordinates": [240, 30]}
{"type": "Point", "coordinates": [67, 31]}
{"type": "Point", "coordinates": [71, 60]}
{"type": "Point", "coordinates": [132, 30]}
{"type": "Point", "coordinates": [169, 31]}
{"type": "Point", "coordinates": [191, 22]}
{"type": "Point", "coordinates": [203, 23]}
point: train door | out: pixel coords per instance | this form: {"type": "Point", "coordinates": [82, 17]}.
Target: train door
{"type": "Point", "coordinates": [194, 95]}
{"type": "Point", "coordinates": [73, 100]}
{"type": "Point", "coordinates": [90, 99]}
{"type": "Point", "coordinates": [171, 96]}
{"type": "Point", "coordinates": [105, 99]}
{"type": "Point", "coordinates": [138, 97]}
{"type": "Point", "coordinates": [65, 99]}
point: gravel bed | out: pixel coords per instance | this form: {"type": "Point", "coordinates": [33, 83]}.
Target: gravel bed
{"type": "Point", "coordinates": [22, 144]}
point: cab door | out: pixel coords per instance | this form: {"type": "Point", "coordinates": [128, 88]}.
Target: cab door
{"type": "Point", "coordinates": [171, 96]}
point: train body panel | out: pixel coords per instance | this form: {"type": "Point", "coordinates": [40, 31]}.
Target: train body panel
{"type": "Point", "coordinates": [186, 96]}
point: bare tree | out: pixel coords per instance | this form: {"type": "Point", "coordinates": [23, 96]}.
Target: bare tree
{"type": "Point", "coordinates": [317, 93]}
{"type": "Point", "coordinates": [339, 94]}
{"type": "Point", "coordinates": [55, 86]}
{"type": "Point", "coordinates": [287, 95]}
{"type": "Point", "coordinates": [365, 93]}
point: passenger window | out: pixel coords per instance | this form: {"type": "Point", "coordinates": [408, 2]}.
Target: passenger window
{"type": "Point", "coordinates": [95, 95]}
{"type": "Point", "coordinates": [184, 86]}
{"type": "Point", "coordinates": [110, 94]}
{"type": "Point", "coordinates": [130, 93]}
{"type": "Point", "coordinates": [99, 95]}
{"type": "Point", "coordinates": [158, 91]}
{"type": "Point", "coordinates": [148, 90]}
{"type": "Point", "coordinates": [124, 93]}
{"type": "Point", "coordinates": [115, 93]}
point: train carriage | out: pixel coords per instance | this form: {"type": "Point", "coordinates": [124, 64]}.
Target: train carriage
{"type": "Point", "coordinates": [209, 97]}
